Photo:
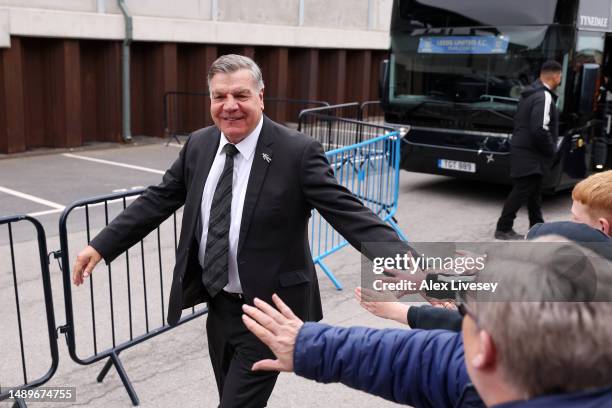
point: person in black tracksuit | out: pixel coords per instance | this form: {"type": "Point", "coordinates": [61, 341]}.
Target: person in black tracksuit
{"type": "Point", "coordinates": [533, 147]}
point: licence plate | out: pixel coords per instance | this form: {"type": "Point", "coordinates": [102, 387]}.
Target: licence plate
{"type": "Point", "coordinates": [457, 165]}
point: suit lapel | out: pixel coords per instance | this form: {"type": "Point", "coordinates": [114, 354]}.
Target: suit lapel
{"type": "Point", "coordinates": [261, 161]}
{"type": "Point", "coordinates": [201, 174]}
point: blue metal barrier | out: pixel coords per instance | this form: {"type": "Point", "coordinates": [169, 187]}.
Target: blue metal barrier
{"type": "Point", "coordinates": [370, 170]}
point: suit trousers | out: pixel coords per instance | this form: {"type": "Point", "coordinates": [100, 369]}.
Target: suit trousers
{"type": "Point", "coordinates": [526, 190]}
{"type": "Point", "coordinates": [233, 351]}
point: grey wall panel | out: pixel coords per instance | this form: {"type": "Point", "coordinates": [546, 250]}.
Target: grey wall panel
{"type": "Point", "coordinates": [345, 14]}
{"type": "Point", "coordinates": [262, 11]}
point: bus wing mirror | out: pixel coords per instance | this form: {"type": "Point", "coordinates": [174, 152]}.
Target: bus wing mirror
{"type": "Point", "coordinates": [383, 74]}
{"type": "Point", "coordinates": [588, 87]}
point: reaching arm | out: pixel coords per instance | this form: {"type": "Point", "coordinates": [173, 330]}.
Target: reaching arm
{"type": "Point", "coordinates": [419, 368]}
{"type": "Point", "coordinates": [415, 367]}
{"type": "Point", "coordinates": [382, 304]}
{"type": "Point", "coordinates": [430, 318]}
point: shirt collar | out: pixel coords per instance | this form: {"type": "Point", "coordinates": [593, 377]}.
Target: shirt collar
{"type": "Point", "coordinates": [247, 146]}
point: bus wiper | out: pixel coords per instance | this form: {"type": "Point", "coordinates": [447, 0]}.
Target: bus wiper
{"type": "Point", "coordinates": [500, 114]}
{"type": "Point", "coordinates": [503, 99]}
{"type": "Point", "coordinates": [479, 110]}
{"type": "Point", "coordinates": [416, 107]}
{"type": "Point", "coordinates": [496, 112]}
{"type": "Point", "coordinates": [424, 103]}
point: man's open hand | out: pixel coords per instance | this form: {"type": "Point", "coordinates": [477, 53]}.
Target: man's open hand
{"type": "Point", "coordinates": [86, 261]}
{"type": "Point", "coordinates": [277, 329]}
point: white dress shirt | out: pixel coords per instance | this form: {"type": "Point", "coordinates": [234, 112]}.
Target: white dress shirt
{"type": "Point", "coordinates": [242, 170]}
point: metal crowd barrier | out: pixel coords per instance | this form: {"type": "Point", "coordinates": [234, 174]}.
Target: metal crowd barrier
{"type": "Point", "coordinates": [371, 112]}
{"type": "Point", "coordinates": [368, 111]}
{"type": "Point", "coordinates": [25, 325]}
{"type": "Point", "coordinates": [351, 110]}
{"type": "Point", "coordinates": [185, 112]}
{"type": "Point", "coordinates": [287, 111]}
{"type": "Point", "coordinates": [334, 132]}
{"type": "Point", "coordinates": [370, 170]}
{"type": "Point", "coordinates": [116, 309]}
{"type": "Point", "coordinates": [321, 124]}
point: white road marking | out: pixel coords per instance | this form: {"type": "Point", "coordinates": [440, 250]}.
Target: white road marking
{"type": "Point", "coordinates": [175, 145]}
{"type": "Point", "coordinates": [36, 214]}
{"type": "Point", "coordinates": [113, 163]}
{"type": "Point", "coordinates": [124, 190]}
{"type": "Point", "coordinates": [59, 210]}
{"type": "Point", "coordinates": [29, 197]}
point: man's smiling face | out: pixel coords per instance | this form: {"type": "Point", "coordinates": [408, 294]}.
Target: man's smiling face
{"type": "Point", "coordinates": [236, 104]}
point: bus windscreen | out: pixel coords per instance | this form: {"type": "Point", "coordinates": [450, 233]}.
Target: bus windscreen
{"type": "Point", "coordinates": [483, 67]}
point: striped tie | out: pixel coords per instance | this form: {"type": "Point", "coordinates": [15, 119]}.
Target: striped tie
{"type": "Point", "coordinates": [214, 276]}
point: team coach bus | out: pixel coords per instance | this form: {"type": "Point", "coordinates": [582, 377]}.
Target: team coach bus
{"type": "Point", "coordinates": [457, 68]}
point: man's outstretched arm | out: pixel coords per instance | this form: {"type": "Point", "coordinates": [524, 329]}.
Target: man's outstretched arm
{"type": "Point", "coordinates": [153, 206]}
{"type": "Point", "coordinates": [341, 208]}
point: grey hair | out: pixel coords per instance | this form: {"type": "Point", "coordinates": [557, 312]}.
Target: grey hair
{"type": "Point", "coordinates": [562, 342]}
{"type": "Point", "coordinates": [230, 63]}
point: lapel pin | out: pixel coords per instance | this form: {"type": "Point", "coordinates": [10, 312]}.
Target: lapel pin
{"type": "Point", "coordinates": [266, 157]}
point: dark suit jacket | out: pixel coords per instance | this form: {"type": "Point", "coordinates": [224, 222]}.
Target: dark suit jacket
{"type": "Point", "coordinates": [273, 250]}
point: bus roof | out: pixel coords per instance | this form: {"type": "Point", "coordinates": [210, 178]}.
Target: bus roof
{"type": "Point", "coordinates": [594, 15]}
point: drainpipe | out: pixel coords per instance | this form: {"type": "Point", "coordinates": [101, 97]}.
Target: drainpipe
{"type": "Point", "coordinates": [101, 5]}
{"type": "Point", "coordinates": [301, 13]}
{"type": "Point", "coordinates": [127, 132]}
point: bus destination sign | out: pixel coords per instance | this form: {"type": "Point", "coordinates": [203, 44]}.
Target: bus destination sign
{"type": "Point", "coordinates": [463, 45]}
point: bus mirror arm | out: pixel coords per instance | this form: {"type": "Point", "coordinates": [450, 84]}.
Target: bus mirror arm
{"type": "Point", "coordinates": [583, 128]}
{"type": "Point", "coordinates": [569, 135]}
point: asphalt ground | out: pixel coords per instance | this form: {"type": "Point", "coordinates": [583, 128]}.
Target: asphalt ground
{"type": "Point", "coordinates": [172, 369]}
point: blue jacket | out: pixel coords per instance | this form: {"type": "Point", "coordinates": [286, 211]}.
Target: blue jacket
{"type": "Point", "coordinates": [423, 368]}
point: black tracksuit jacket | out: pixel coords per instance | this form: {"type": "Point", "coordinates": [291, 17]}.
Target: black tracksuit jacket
{"type": "Point", "coordinates": [536, 129]}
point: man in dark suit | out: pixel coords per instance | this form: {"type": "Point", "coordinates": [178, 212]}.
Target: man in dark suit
{"type": "Point", "coordinates": [248, 186]}
{"type": "Point", "coordinates": [533, 147]}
